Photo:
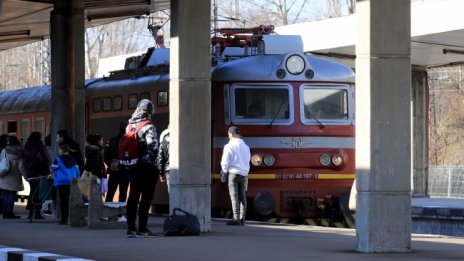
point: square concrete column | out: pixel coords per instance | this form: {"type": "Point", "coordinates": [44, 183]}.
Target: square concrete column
{"type": "Point", "coordinates": [420, 145]}
{"type": "Point", "coordinates": [190, 109]}
{"type": "Point", "coordinates": [67, 28]}
{"type": "Point", "coordinates": [383, 126]}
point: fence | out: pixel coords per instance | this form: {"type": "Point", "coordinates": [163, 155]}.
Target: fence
{"type": "Point", "coordinates": [446, 181]}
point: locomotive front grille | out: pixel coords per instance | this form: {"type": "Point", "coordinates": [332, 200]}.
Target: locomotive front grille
{"type": "Point", "coordinates": [298, 202]}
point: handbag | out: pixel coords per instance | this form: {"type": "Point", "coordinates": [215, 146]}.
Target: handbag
{"type": "Point", "coordinates": [84, 183]}
{"type": "Point", "coordinates": [184, 224]}
{"type": "Point", "coordinates": [4, 163]}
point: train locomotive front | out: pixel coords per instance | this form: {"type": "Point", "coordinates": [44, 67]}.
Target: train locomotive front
{"type": "Point", "coordinates": [296, 112]}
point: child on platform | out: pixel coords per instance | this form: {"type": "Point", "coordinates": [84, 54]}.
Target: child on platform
{"type": "Point", "coordinates": [65, 168]}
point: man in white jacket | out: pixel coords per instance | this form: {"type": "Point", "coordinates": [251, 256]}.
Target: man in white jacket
{"type": "Point", "coordinates": [236, 161]}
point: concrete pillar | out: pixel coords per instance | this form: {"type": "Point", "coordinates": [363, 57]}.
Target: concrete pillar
{"type": "Point", "coordinates": [190, 109]}
{"type": "Point", "coordinates": [383, 126]}
{"type": "Point", "coordinates": [67, 27]}
{"type": "Point", "coordinates": [420, 145]}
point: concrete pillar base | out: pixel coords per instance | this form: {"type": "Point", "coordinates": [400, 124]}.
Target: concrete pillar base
{"type": "Point", "coordinates": [195, 199]}
{"type": "Point", "coordinates": [376, 227]}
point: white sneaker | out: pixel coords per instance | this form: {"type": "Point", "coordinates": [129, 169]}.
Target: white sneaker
{"type": "Point", "coordinates": [122, 219]}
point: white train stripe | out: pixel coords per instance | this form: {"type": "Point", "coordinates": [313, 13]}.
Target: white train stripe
{"type": "Point", "coordinates": [30, 255]}
{"type": "Point", "coordinates": [295, 142]}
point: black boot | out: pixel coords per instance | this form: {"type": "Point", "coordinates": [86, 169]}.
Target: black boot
{"type": "Point", "coordinates": [38, 215]}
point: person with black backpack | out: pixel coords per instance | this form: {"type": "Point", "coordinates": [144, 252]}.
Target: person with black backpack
{"type": "Point", "coordinates": [117, 176]}
{"type": "Point", "coordinates": [138, 150]}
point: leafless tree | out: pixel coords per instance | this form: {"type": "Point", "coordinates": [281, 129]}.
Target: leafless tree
{"type": "Point", "coordinates": [446, 115]}
{"type": "Point", "coordinates": [123, 37]}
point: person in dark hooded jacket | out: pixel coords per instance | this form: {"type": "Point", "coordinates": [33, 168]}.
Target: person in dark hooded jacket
{"type": "Point", "coordinates": [65, 168]}
{"type": "Point", "coordinates": [144, 174]}
{"type": "Point", "coordinates": [38, 165]}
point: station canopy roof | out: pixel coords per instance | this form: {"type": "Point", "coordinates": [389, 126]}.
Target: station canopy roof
{"type": "Point", "coordinates": [437, 34]}
{"type": "Point", "coordinates": [27, 21]}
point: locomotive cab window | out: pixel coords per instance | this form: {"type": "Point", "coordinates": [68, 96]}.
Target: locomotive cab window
{"type": "Point", "coordinates": [329, 104]}
{"type": "Point", "coordinates": [261, 104]}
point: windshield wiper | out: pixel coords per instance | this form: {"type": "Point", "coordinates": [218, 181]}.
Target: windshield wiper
{"type": "Point", "coordinates": [321, 126]}
{"type": "Point", "coordinates": [277, 113]}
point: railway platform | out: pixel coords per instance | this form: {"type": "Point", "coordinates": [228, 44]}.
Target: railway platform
{"type": "Point", "coordinates": [255, 241]}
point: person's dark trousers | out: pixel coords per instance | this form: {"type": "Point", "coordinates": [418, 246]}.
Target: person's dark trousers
{"type": "Point", "coordinates": [1, 201]}
{"type": "Point", "coordinates": [9, 198]}
{"type": "Point", "coordinates": [143, 178]}
{"type": "Point", "coordinates": [64, 192]}
{"type": "Point", "coordinates": [33, 201]}
{"type": "Point", "coordinates": [116, 178]}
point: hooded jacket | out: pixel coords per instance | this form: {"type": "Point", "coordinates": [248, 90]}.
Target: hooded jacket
{"type": "Point", "coordinates": [64, 176]}
{"type": "Point", "coordinates": [148, 138]}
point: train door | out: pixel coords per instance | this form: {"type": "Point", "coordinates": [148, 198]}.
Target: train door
{"type": "Point", "coordinates": [1, 127]}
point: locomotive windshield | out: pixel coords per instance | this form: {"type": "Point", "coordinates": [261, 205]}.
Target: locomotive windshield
{"type": "Point", "coordinates": [261, 104]}
{"type": "Point", "coordinates": [324, 103]}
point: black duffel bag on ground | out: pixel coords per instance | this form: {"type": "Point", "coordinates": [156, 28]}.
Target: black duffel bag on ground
{"type": "Point", "coordinates": [183, 224]}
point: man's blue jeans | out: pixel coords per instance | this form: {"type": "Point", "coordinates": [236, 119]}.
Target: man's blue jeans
{"type": "Point", "coordinates": [237, 191]}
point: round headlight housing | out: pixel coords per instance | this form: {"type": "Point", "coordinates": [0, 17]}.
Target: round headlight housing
{"type": "Point", "coordinates": [269, 160]}
{"type": "Point", "coordinates": [325, 160]}
{"type": "Point", "coordinates": [295, 64]}
{"type": "Point", "coordinates": [337, 160]}
{"type": "Point", "coordinates": [256, 160]}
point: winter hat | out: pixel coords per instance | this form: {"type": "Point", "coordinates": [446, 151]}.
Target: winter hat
{"type": "Point", "coordinates": [234, 131]}
{"type": "Point", "coordinates": [146, 105]}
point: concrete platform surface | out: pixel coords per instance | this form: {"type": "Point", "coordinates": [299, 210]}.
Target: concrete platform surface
{"type": "Point", "coordinates": [255, 241]}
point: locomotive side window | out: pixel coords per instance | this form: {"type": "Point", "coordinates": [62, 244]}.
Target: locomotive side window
{"type": "Point", "coordinates": [145, 95]}
{"type": "Point", "coordinates": [132, 101]}
{"type": "Point", "coordinates": [162, 99]}
{"type": "Point", "coordinates": [324, 103]}
{"type": "Point", "coordinates": [12, 127]}
{"type": "Point", "coordinates": [117, 103]}
{"type": "Point", "coordinates": [107, 104]}
{"type": "Point", "coordinates": [97, 105]}
{"type": "Point", "coordinates": [262, 104]}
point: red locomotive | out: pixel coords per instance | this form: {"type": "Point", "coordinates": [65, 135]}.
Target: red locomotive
{"type": "Point", "coordinates": [295, 111]}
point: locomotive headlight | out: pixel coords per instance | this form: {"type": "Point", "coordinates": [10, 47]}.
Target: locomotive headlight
{"type": "Point", "coordinates": [256, 160]}
{"type": "Point", "coordinates": [295, 64]}
{"type": "Point", "coordinates": [324, 160]}
{"type": "Point", "coordinates": [269, 160]}
{"type": "Point", "coordinates": [337, 160]}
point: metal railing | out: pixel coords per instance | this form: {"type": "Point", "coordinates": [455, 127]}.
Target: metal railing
{"type": "Point", "coordinates": [446, 181]}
